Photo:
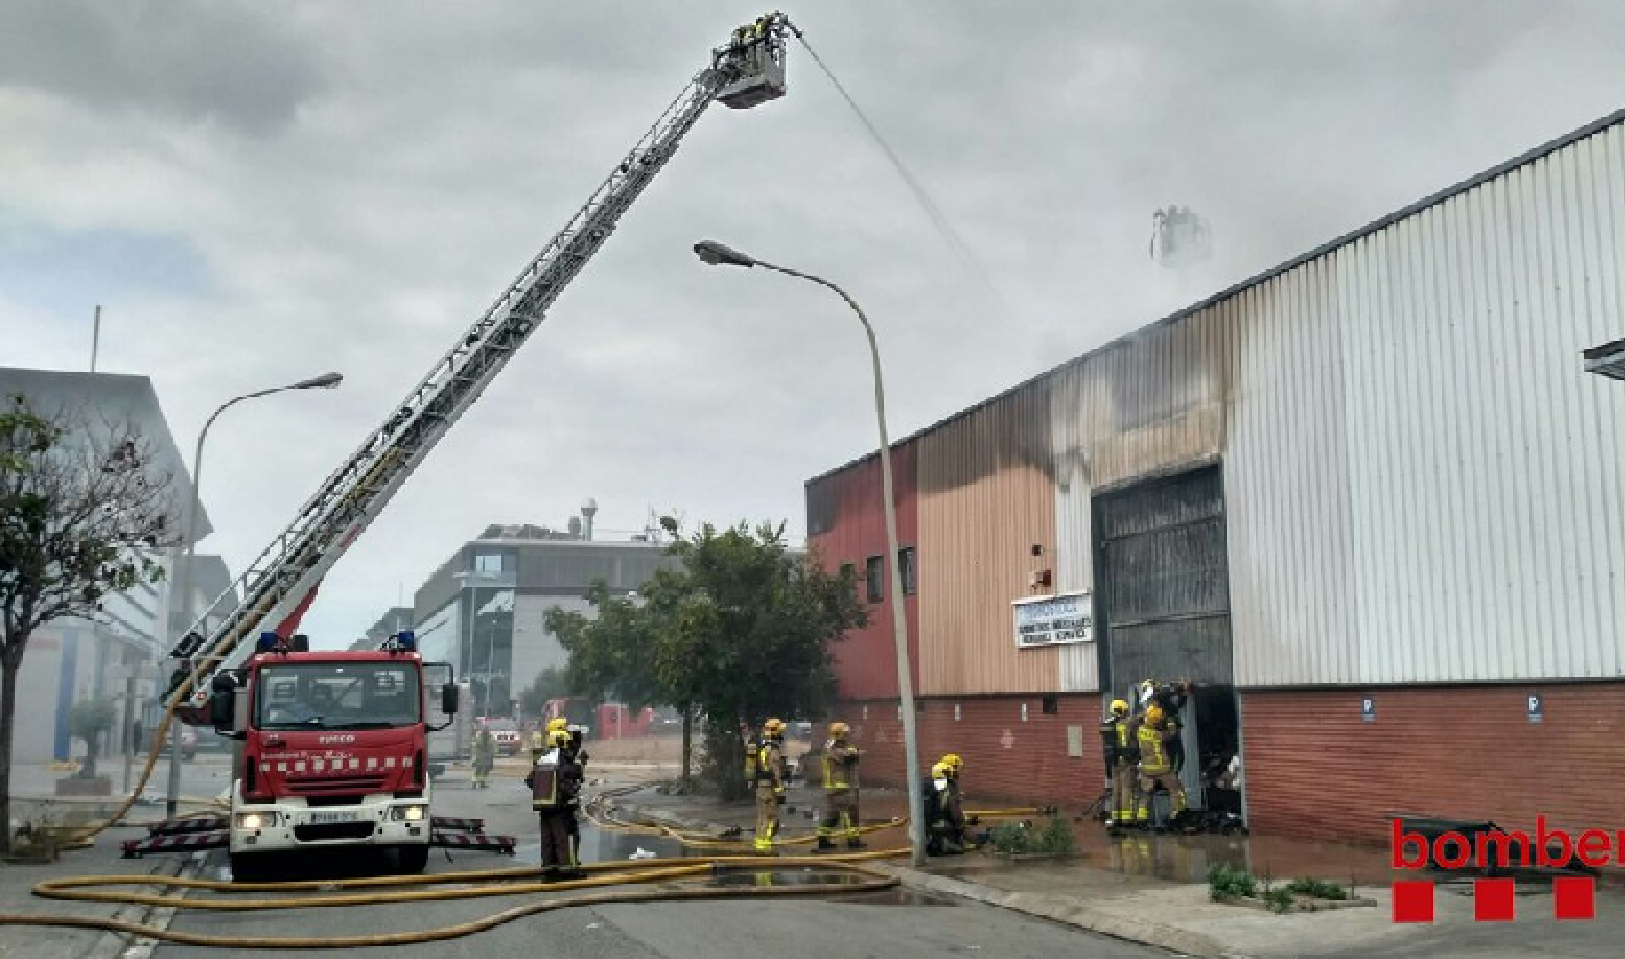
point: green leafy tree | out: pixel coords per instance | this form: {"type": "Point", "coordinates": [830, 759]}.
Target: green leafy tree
{"type": "Point", "coordinates": [81, 506]}
{"type": "Point", "coordinates": [87, 720]}
{"type": "Point", "coordinates": [740, 631]}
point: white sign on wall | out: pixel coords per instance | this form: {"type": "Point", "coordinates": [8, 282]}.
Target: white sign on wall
{"type": "Point", "coordinates": [1051, 620]}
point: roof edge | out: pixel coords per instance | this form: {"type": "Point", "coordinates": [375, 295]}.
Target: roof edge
{"type": "Point", "coordinates": [1434, 199]}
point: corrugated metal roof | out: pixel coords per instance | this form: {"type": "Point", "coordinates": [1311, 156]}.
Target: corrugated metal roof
{"type": "Point", "coordinates": [1524, 159]}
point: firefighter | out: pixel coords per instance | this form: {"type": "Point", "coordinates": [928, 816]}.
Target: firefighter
{"type": "Point", "coordinates": [1156, 765]}
{"type": "Point", "coordinates": [574, 748]}
{"type": "Point", "coordinates": [1122, 753]}
{"type": "Point", "coordinates": [840, 762]}
{"type": "Point", "coordinates": [555, 789]}
{"type": "Point", "coordinates": [766, 769]}
{"type": "Point", "coordinates": [485, 756]}
{"type": "Point", "coordinates": [1172, 698]}
{"type": "Point", "coordinates": [945, 816]}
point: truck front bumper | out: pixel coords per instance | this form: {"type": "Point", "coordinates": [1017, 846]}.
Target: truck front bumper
{"type": "Point", "coordinates": [378, 820]}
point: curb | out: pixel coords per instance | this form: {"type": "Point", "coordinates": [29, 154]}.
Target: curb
{"type": "Point", "coordinates": [1072, 912]}
{"type": "Point", "coordinates": [1069, 911]}
{"type": "Point", "coordinates": [118, 946]}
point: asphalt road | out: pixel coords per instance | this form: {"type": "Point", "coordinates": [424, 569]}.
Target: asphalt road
{"type": "Point", "coordinates": [896, 924]}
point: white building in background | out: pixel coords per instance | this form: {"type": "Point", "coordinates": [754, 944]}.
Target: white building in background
{"type": "Point", "coordinates": [124, 645]}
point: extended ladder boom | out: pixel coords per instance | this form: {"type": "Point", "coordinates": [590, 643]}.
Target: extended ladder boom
{"type": "Point", "coordinates": [746, 72]}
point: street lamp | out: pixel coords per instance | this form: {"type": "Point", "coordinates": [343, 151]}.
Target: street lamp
{"type": "Point", "coordinates": [1606, 360]}
{"type": "Point", "coordinates": [183, 577]}
{"type": "Point", "coordinates": [717, 254]}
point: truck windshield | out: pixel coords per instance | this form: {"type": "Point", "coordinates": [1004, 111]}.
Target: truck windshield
{"type": "Point", "coordinates": [337, 696]}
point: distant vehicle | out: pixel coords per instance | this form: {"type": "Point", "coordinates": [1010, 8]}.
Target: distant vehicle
{"type": "Point", "coordinates": [506, 733]}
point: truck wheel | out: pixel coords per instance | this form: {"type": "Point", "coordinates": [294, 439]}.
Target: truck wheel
{"type": "Point", "coordinates": [249, 867]}
{"type": "Point", "coordinates": [411, 860]}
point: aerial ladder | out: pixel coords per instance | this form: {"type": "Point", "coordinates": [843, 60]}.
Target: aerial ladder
{"type": "Point", "coordinates": [279, 586]}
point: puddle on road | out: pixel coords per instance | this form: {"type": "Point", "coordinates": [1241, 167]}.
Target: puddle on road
{"type": "Point", "coordinates": [761, 878]}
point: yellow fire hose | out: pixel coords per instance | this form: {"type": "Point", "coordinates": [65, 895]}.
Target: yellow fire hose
{"type": "Point", "coordinates": [499, 882]}
{"type": "Point", "coordinates": [648, 871]}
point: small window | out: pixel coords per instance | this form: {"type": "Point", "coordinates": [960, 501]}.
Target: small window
{"type": "Point", "coordinates": [874, 571]}
{"type": "Point", "coordinates": [905, 560]}
{"type": "Point", "coordinates": [487, 562]}
{"type": "Point", "coordinates": [1052, 705]}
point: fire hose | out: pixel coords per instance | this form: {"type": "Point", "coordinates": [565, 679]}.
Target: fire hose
{"type": "Point", "coordinates": [506, 884]}
{"type": "Point", "coordinates": [491, 883]}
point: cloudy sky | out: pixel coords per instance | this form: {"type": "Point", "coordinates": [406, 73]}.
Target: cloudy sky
{"type": "Point", "coordinates": [257, 193]}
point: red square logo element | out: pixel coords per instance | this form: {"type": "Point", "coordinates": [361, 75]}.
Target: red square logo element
{"type": "Point", "coordinates": [1574, 897]}
{"type": "Point", "coordinates": [1413, 901]}
{"type": "Point", "coordinates": [1492, 900]}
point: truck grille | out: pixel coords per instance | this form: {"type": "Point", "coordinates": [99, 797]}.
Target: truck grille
{"type": "Point", "coordinates": [316, 832]}
{"type": "Point", "coordinates": [346, 784]}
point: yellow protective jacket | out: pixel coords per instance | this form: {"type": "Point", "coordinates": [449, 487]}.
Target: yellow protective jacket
{"type": "Point", "coordinates": [840, 766]}
{"type": "Point", "coordinates": [769, 766]}
{"type": "Point", "coordinates": [1154, 759]}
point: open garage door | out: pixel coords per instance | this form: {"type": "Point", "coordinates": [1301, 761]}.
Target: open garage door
{"type": "Point", "coordinates": [1164, 600]}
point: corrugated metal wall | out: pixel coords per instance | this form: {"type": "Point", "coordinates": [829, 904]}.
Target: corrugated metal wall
{"type": "Point", "coordinates": [1287, 496]}
{"type": "Point", "coordinates": [846, 524]}
{"type": "Point", "coordinates": [986, 498]}
{"type": "Point", "coordinates": [1425, 476]}
{"type": "Point", "coordinates": [1419, 477]}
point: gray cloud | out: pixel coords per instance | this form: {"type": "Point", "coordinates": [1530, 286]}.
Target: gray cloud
{"type": "Point", "coordinates": [423, 152]}
{"type": "Point", "coordinates": [237, 63]}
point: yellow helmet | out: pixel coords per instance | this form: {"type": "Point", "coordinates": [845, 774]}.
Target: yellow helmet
{"type": "Point", "coordinates": [952, 761]}
{"type": "Point", "coordinates": [773, 727]}
{"type": "Point", "coordinates": [560, 738]}
{"type": "Point", "coordinates": [1154, 714]}
{"type": "Point", "coordinates": [940, 771]}
{"type": "Point", "coordinates": [1120, 707]}
{"type": "Point", "coordinates": [558, 724]}
{"type": "Point", "coordinates": [838, 730]}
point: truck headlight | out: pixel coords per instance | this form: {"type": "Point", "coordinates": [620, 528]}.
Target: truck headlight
{"type": "Point", "coordinates": [256, 820]}
{"type": "Point", "coordinates": [411, 813]}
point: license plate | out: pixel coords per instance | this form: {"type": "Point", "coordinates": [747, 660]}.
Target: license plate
{"type": "Point", "coordinates": [317, 817]}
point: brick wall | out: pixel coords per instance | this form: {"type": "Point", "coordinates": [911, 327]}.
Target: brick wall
{"type": "Point", "coordinates": [1314, 769]}
{"type": "Point", "coordinates": [1030, 764]}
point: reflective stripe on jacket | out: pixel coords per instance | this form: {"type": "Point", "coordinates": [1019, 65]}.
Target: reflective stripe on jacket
{"type": "Point", "coordinates": [1153, 754]}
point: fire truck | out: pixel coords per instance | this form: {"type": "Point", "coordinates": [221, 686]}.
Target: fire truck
{"type": "Point", "coordinates": [304, 780]}
{"type": "Point", "coordinates": [334, 750]}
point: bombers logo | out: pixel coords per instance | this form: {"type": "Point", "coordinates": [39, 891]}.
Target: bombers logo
{"type": "Point", "coordinates": [330, 740]}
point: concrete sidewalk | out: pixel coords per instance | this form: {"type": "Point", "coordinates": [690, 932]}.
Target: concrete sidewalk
{"type": "Point", "coordinates": [1153, 890]}
{"type": "Point", "coordinates": [37, 942]}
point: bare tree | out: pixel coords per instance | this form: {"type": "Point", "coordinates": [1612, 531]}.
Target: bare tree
{"type": "Point", "coordinates": [82, 510]}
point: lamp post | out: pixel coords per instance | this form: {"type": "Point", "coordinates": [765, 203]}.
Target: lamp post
{"type": "Point", "coordinates": [1606, 360]}
{"type": "Point", "coordinates": [183, 577]}
{"type": "Point", "coordinates": [716, 254]}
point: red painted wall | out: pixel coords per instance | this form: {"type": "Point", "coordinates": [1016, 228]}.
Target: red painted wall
{"type": "Point", "coordinates": [1315, 770]}
{"type": "Point", "coordinates": [1031, 764]}
{"type": "Point", "coordinates": [847, 524]}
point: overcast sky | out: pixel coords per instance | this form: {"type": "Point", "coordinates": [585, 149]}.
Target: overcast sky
{"type": "Point", "coordinates": [257, 193]}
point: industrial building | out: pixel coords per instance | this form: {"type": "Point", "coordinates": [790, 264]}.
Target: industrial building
{"type": "Point", "coordinates": [121, 650]}
{"type": "Point", "coordinates": [1366, 499]}
{"type": "Point", "coordinates": [483, 610]}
